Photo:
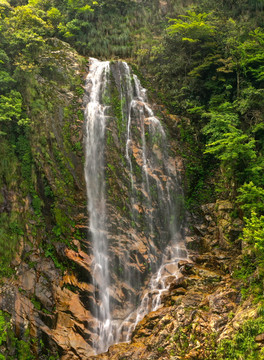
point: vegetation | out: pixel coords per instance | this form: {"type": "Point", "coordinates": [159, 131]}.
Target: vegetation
{"type": "Point", "coordinates": [19, 349]}
{"type": "Point", "coordinates": [208, 67]}
{"type": "Point", "coordinates": [243, 344]}
{"type": "Point", "coordinates": [206, 61]}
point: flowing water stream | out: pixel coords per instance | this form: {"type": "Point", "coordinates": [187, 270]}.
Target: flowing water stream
{"type": "Point", "coordinates": [128, 279]}
{"type": "Point", "coordinates": [95, 114]}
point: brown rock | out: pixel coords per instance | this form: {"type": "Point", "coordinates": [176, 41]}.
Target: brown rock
{"type": "Point", "coordinates": [178, 291]}
{"type": "Point", "coordinates": [177, 282]}
{"type": "Point", "coordinates": [193, 242]}
{"type": "Point", "coordinates": [185, 267]}
{"type": "Point", "coordinates": [43, 293]}
{"type": "Point", "coordinates": [28, 280]}
{"type": "Point", "coordinates": [260, 338]}
{"type": "Point", "coordinates": [223, 301]}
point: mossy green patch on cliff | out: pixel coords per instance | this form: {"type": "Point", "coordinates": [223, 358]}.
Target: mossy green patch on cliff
{"type": "Point", "coordinates": [12, 347]}
{"type": "Point", "coordinates": [38, 169]}
{"type": "Point", "coordinates": [244, 344]}
{"type": "Point", "coordinates": [117, 104]}
{"type": "Point", "coordinates": [17, 190]}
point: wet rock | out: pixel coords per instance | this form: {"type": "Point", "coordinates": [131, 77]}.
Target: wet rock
{"type": "Point", "coordinates": [193, 242]}
{"type": "Point", "coordinates": [44, 294]}
{"type": "Point", "coordinates": [177, 282]}
{"type": "Point", "coordinates": [224, 301]}
{"type": "Point", "coordinates": [185, 267]}
{"type": "Point", "coordinates": [200, 229]}
{"type": "Point", "coordinates": [196, 305]}
{"type": "Point", "coordinates": [192, 299]}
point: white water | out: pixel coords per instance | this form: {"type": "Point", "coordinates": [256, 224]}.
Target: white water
{"type": "Point", "coordinates": [157, 287]}
{"type": "Point", "coordinates": [95, 115]}
{"type": "Point", "coordinates": [136, 114]}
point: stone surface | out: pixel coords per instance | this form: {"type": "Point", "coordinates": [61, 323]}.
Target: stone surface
{"type": "Point", "coordinates": [202, 305]}
{"type": "Point", "coordinates": [260, 338]}
{"type": "Point", "coordinates": [191, 315]}
{"type": "Point", "coordinates": [55, 305]}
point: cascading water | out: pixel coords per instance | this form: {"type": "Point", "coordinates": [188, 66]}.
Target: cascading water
{"type": "Point", "coordinates": [132, 190]}
{"type": "Point", "coordinates": [95, 113]}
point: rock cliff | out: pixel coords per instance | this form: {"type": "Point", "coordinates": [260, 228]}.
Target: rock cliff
{"type": "Point", "coordinates": [203, 304]}
{"type": "Point", "coordinates": [51, 295]}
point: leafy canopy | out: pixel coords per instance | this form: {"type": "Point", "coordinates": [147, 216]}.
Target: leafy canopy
{"type": "Point", "coordinates": [192, 27]}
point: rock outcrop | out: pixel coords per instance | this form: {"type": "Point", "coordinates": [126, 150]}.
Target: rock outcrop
{"type": "Point", "coordinates": [51, 294]}
{"type": "Point", "coordinates": [202, 306]}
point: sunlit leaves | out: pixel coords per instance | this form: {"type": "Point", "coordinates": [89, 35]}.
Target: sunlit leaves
{"type": "Point", "coordinates": [24, 32]}
{"type": "Point", "coordinates": [4, 7]}
{"type": "Point", "coordinates": [3, 330]}
{"type": "Point", "coordinates": [80, 5]}
{"type": "Point", "coordinates": [220, 123]}
{"type": "Point", "coordinates": [11, 107]}
{"type": "Point", "coordinates": [253, 233]}
{"type": "Point", "coordinates": [251, 198]}
{"type": "Point", "coordinates": [234, 145]}
{"type": "Point", "coordinates": [25, 17]}
{"type": "Point", "coordinates": [54, 15]}
{"type": "Point", "coordinates": [192, 27]}
{"type": "Point", "coordinates": [236, 151]}
{"type": "Point", "coordinates": [253, 49]}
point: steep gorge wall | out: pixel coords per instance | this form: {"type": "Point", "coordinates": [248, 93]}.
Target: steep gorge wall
{"type": "Point", "coordinates": [51, 295]}
{"type": "Point", "coordinates": [203, 304]}
{"type": "Point", "coordinates": [134, 196]}
{"type": "Point", "coordinates": [50, 203]}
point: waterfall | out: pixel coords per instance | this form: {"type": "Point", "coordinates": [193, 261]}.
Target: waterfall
{"type": "Point", "coordinates": [95, 113]}
{"type": "Point", "coordinates": [134, 202]}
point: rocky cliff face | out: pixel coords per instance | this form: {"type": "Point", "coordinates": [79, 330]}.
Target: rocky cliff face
{"type": "Point", "coordinates": [203, 303]}
{"type": "Point", "coordinates": [52, 295]}
{"type": "Point", "coordinates": [134, 197]}
{"type": "Point", "coordinates": [44, 296]}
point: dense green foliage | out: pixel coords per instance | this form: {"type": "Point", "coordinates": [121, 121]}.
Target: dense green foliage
{"type": "Point", "coordinates": [207, 62]}
{"type": "Point", "coordinates": [19, 349]}
{"type": "Point", "coordinates": [243, 344]}
{"type": "Point", "coordinates": [208, 67]}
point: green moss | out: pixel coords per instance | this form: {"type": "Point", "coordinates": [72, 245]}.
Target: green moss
{"type": "Point", "coordinates": [109, 140]}
{"type": "Point", "coordinates": [36, 303]}
{"type": "Point", "coordinates": [10, 344]}
{"type": "Point", "coordinates": [243, 344]}
{"type": "Point", "coordinates": [117, 110]}
{"type": "Point", "coordinates": [50, 252]}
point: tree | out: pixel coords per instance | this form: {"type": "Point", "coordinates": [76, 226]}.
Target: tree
{"type": "Point", "coordinates": [251, 198]}
{"type": "Point", "coordinates": [253, 234]}
{"type": "Point", "coordinates": [4, 8]}
{"type": "Point", "coordinates": [253, 49]}
{"type": "Point", "coordinates": [236, 151]}
{"type": "Point", "coordinates": [10, 110]}
{"type": "Point", "coordinates": [192, 27]}
{"type": "Point", "coordinates": [220, 122]}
